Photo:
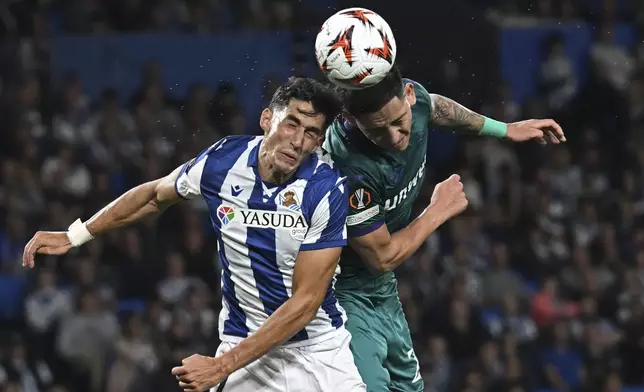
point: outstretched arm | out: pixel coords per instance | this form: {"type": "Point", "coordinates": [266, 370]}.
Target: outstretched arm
{"type": "Point", "coordinates": [450, 114]}
{"type": "Point", "coordinates": [144, 200]}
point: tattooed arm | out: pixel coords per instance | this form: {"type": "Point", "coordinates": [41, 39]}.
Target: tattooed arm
{"type": "Point", "coordinates": [450, 114]}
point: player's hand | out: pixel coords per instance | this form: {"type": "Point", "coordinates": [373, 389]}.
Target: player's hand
{"type": "Point", "coordinates": [198, 373]}
{"type": "Point", "coordinates": [543, 131]}
{"type": "Point", "coordinates": [45, 243]}
{"type": "Point", "coordinates": [448, 197]}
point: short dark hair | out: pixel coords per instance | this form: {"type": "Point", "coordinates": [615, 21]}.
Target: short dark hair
{"type": "Point", "coordinates": [324, 100]}
{"type": "Point", "coordinates": [372, 99]}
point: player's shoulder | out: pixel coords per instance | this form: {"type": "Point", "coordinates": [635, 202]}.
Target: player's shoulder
{"type": "Point", "coordinates": [326, 172]}
{"type": "Point", "coordinates": [346, 145]}
{"type": "Point", "coordinates": [325, 180]}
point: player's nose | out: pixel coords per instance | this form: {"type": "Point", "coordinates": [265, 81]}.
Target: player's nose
{"type": "Point", "coordinates": [297, 139]}
{"type": "Point", "coordinates": [395, 136]}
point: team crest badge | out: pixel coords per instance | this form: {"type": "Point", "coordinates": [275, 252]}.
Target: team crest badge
{"type": "Point", "coordinates": [289, 200]}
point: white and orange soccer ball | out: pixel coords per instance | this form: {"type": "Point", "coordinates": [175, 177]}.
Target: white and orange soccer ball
{"type": "Point", "coordinates": [355, 48]}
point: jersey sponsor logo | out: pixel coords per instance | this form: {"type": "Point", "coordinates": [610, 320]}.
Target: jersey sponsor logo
{"type": "Point", "coordinates": [225, 214]}
{"type": "Point", "coordinates": [394, 202]}
{"type": "Point", "coordinates": [363, 216]}
{"type": "Point", "coordinates": [289, 200]}
{"type": "Point", "coordinates": [294, 223]}
{"type": "Point", "coordinates": [360, 199]}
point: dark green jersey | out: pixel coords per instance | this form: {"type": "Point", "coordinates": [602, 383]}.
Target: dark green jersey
{"type": "Point", "coordinates": [383, 184]}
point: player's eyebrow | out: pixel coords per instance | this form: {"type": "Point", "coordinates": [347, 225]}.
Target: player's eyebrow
{"type": "Point", "coordinates": [295, 119]}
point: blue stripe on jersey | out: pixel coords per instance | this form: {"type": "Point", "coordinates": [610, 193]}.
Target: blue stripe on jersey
{"type": "Point", "coordinates": [214, 174]}
{"type": "Point", "coordinates": [261, 244]}
{"type": "Point", "coordinates": [329, 305]}
{"type": "Point", "coordinates": [236, 323]}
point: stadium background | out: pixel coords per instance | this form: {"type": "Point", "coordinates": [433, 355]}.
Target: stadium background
{"type": "Point", "coordinates": [540, 285]}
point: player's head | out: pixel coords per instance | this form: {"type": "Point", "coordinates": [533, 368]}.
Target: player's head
{"type": "Point", "coordinates": [383, 112]}
{"type": "Point", "coordinates": [295, 121]}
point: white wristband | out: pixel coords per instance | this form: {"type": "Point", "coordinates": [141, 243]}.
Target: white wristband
{"type": "Point", "coordinates": [78, 233]}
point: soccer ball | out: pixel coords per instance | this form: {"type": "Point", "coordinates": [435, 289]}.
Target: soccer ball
{"type": "Point", "coordinates": [355, 48]}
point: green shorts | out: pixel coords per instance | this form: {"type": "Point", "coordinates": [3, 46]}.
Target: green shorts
{"type": "Point", "coordinates": [380, 338]}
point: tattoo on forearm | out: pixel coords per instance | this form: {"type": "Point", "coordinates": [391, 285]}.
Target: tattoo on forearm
{"type": "Point", "coordinates": [450, 114]}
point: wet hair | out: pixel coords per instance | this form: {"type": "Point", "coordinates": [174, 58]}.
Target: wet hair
{"type": "Point", "coordinates": [372, 99]}
{"type": "Point", "coordinates": [324, 100]}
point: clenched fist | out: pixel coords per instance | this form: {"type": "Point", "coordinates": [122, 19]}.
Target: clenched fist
{"type": "Point", "coordinates": [448, 197]}
{"type": "Point", "coordinates": [198, 373]}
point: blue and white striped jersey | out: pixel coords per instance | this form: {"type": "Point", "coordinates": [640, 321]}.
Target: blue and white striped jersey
{"type": "Point", "coordinates": [260, 229]}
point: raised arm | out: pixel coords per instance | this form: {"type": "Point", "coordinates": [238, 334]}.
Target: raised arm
{"type": "Point", "coordinates": [452, 115]}
{"type": "Point", "coordinates": [383, 251]}
{"type": "Point", "coordinates": [139, 202]}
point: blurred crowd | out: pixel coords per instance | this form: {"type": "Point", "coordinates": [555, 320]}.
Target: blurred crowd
{"type": "Point", "coordinates": [539, 285]}
{"type": "Point", "coordinates": [184, 16]}
{"type": "Point", "coordinates": [568, 10]}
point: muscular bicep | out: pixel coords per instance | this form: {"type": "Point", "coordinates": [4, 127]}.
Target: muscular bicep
{"type": "Point", "coordinates": [313, 272]}
{"type": "Point", "coordinates": [373, 247]}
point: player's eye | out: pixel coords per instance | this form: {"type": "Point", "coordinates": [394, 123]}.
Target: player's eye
{"type": "Point", "coordinates": [311, 134]}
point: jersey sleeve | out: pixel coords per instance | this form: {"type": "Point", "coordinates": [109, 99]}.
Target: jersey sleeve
{"type": "Point", "coordinates": [366, 209]}
{"type": "Point", "coordinates": [188, 183]}
{"type": "Point", "coordinates": [328, 222]}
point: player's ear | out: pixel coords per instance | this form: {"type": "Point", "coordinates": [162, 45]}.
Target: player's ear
{"type": "Point", "coordinates": [410, 93]}
{"type": "Point", "coordinates": [265, 120]}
